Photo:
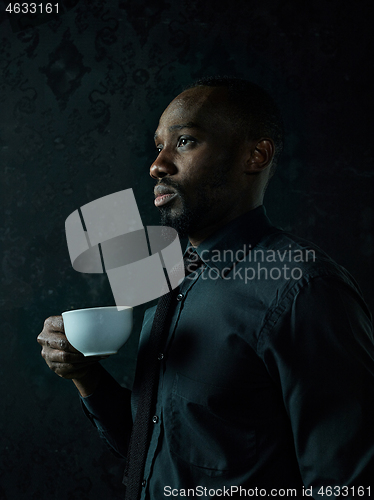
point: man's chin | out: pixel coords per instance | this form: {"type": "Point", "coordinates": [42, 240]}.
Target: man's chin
{"type": "Point", "coordinates": [182, 222]}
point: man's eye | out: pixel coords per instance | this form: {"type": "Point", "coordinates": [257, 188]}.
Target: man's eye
{"type": "Point", "coordinates": [158, 149]}
{"type": "Point", "coordinates": [183, 141]}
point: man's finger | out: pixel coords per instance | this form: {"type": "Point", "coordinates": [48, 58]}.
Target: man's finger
{"type": "Point", "coordinates": [55, 340]}
{"type": "Point", "coordinates": [70, 367]}
{"type": "Point", "coordinates": [54, 323]}
{"type": "Point", "coordinates": [58, 356]}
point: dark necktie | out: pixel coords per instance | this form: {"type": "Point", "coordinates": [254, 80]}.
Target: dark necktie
{"type": "Point", "coordinates": [147, 375]}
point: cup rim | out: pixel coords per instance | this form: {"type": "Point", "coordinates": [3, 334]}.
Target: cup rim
{"type": "Point", "coordinates": [123, 308]}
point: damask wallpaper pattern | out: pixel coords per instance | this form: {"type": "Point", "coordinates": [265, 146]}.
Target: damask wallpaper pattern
{"type": "Point", "coordinates": [80, 97]}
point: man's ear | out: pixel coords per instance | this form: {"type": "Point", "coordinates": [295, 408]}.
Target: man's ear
{"type": "Point", "coordinates": [262, 152]}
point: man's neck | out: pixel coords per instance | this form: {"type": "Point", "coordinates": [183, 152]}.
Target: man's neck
{"type": "Point", "coordinates": [202, 234]}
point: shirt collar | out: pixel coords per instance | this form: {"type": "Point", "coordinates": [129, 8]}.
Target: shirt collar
{"type": "Point", "coordinates": [232, 242]}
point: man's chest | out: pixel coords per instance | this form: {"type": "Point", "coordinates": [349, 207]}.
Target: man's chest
{"type": "Point", "coordinates": [210, 356]}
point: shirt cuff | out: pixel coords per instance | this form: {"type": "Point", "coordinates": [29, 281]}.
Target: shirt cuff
{"type": "Point", "coordinates": [108, 396]}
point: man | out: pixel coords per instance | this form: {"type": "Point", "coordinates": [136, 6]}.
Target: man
{"type": "Point", "coordinates": [266, 379]}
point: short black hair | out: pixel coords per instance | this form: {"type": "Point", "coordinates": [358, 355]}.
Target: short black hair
{"type": "Point", "coordinates": [253, 107]}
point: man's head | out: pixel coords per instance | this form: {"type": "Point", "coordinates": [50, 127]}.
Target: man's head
{"type": "Point", "coordinates": [251, 110]}
{"type": "Point", "coordinates": [217, 142]}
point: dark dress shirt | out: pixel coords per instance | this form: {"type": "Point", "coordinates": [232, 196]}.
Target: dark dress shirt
{"type": "Point", "coordinates": [267, 378]}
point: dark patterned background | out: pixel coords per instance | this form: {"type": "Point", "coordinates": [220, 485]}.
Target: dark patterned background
{"type": "Point", "coordinates": [80, 96]}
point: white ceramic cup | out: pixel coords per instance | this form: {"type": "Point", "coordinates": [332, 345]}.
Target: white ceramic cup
{"type": "Point", "coordinates": [98, 330]}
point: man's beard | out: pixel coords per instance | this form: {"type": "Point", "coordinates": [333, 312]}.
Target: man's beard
{"type": "Point", "coordinates": [189, 217]}
{"type": "Point", "coordinates": [185, 221]}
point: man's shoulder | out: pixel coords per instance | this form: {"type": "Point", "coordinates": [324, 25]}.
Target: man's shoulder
{"type": "Point", "coordinates": [303, 258]}
{"type": "Point", "coordinates": [255, 243]}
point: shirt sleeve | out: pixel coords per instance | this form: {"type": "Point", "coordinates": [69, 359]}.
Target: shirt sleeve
{"type": "Point", "coordinates": [109, 410]}
{"type": "Point", "coordinates": [320, 351]}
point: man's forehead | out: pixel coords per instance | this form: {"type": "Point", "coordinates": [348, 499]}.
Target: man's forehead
{"type": "Point", "coordinates": [193, 106]}
{"type": "Point", "coordinates": [199, 97]}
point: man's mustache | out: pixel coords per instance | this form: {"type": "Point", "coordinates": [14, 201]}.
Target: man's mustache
{"type": "Point", "coordinates": [169, 182]}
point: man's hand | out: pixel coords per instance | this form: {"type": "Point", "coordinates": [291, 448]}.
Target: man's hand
{"type": "Point", "coordinates": [65, 360]}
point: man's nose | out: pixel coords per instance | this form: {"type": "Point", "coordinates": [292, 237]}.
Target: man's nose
{"type": "Point", "coordinates": [162, 166]}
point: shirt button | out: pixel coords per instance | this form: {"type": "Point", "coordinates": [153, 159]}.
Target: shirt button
{"type": "Point", "coordinates": [180, 297]}
{"type": "Point", "coordinates": [160, 357]}
{"type": "Point", "coordinates": [144, 482]}
{"type": "Point", "coordinates": [155, 419]}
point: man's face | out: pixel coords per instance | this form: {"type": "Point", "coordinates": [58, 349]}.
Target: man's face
{"type": "Point", "coordinates": [198, 162]}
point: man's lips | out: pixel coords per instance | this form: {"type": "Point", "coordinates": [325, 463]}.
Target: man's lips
{"type": "Point", "coordinates": [163, 195]}
{"type": "Point", "coordinates": [163, 199]}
